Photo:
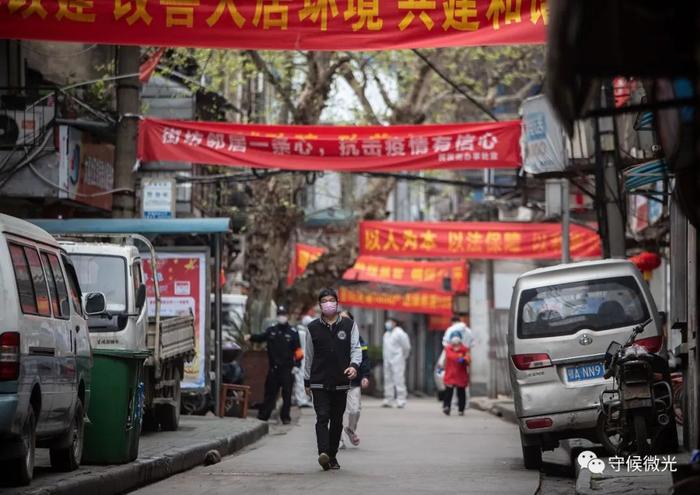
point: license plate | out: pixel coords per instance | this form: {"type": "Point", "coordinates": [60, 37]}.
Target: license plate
{"type": "Point", "coordinates": [585, 372]}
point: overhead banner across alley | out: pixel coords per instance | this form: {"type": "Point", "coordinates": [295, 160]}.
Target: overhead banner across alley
{"type": "Point", "coordinates": [279, 24]}
{"type": "Point", "coordinates": [337, 148]}
{"type": "Point", "coordinates": [475, 240]}
{"type": "Point", "coordinates": [425, 302]}
{"type": "Point", "coordinates": [429, 275]}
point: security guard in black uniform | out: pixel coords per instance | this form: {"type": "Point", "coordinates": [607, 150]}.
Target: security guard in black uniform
{"type": "Point", "coordinates": [284, 352]}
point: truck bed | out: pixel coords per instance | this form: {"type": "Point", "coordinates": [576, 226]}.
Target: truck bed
{"type": "Point", "coordinates": [176, 336]}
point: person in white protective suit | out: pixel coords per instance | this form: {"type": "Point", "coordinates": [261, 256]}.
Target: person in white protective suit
{"type": "Point", "coordinates": [300, 397]}
{"type": "Point", "coordinates": [395, 350]}
{"type": "Point", "coordinates": [457, 329]}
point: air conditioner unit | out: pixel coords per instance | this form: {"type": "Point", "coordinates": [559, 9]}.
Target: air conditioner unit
{"type": "Point", "coordinates": [23, 127]}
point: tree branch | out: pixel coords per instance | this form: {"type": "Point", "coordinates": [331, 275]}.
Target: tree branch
{"type": "Point", "coordinates": [280, 89]}
{"type": "Point", "coordinates": [360, 94]}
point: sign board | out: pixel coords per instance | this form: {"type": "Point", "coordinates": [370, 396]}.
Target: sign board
{"type": "Point", "coordinates": [86, 168]}
{"type": "Point", "coordinates": [182, 280]}
{"type": "Point", "coordinates": [158, 198]}
{"type": "Point", "coordinates": [543, 145]}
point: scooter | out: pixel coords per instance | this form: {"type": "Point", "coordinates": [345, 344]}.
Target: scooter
{"type": "Point", "coordinates": [636, 414]}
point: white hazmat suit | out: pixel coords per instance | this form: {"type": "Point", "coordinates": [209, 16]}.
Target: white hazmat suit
{"type": "Point", "coordinates": [395, 350]}
{"type": "Point", "coordinates": [460, 329]}
{"type": "Point", "coordinates": [300, 397]}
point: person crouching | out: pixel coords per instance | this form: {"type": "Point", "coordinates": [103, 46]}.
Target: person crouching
{"type": "Point", "coordinates": [457, 361]}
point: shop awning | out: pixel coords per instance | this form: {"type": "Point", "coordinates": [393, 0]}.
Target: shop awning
{"type": "Point", "coordinates": [135, 226]}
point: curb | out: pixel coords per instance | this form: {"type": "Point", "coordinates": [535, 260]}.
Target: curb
{"type": "Point", "coordinates": [143, 472]}
{"type": "Point", "coordinates": [504, 412]}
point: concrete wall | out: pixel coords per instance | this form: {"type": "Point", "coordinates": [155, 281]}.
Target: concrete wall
{"type": "Point", "coordinates": [505, 274]}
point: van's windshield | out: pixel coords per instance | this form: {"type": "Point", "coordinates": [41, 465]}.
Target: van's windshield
{"type": "Point", "coordinates": [106, 274]}
{"type": "Point", "coordinates": [563, 309]}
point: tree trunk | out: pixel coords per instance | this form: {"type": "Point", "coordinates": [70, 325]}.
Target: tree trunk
{"type": "Point", "coordinates": [273, 216]}
{"type": "Point", "coordinates": [329, 268]}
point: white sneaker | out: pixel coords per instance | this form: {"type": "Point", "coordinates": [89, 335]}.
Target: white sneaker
{"type": "Point", "coordinates": [387, 403]}
{"type": "Point", "coordinates": [401, 405]}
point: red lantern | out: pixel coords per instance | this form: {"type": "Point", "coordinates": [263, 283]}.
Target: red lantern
{"type": "Point", "coordinates": [646, 262]}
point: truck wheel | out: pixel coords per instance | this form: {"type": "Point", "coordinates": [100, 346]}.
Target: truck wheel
{"type": "Point", "coordinates": [532, 454]}
{"type": "Point", "coordinates": [68, 459]}
{"type": "Point", "coordinates": [21, 470]}
{"type": "Point", "coordinates": [169, 414]}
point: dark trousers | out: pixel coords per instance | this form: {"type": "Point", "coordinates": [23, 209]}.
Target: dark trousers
{"type": "Point", "coordinates": [461, 397]}
{"type": "Point", "coordinates": [330, 407]}
{"type": "Point", "coordinates": [276, 378]}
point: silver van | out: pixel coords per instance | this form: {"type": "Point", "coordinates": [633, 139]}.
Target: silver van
{"type": "Point", "coordinates": [562, 319]}
{"type": "Point", "coordinates": [45, 354]}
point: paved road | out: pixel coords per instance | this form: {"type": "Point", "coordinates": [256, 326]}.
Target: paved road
{"type": "Point", "coordinates": [410, 451]}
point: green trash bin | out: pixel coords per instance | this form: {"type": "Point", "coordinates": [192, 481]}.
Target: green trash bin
{"type": "Point", "coordinates": [116, 407]}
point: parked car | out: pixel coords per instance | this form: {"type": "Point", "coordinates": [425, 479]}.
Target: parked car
{"type": "Point", "coordinates": [45, 355]}
{"type": "Point", "coordinates": [562, 319]}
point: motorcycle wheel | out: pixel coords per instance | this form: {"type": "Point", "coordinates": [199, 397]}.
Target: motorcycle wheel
{"type": "Point", "coordinates": [640, 434]}
{"type": "Point", "coordinates": [611, 437]}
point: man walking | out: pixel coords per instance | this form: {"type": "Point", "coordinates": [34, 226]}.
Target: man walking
{"type": "Point", "coordinates": [333, 357]}
{"type": "Point", "coordinates": [283, 352]}
{"type": "Point", "coordinates": [395, 350]}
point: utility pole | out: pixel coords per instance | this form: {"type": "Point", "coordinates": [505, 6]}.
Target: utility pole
{"type": "Point", "coordinates": [128, 108]}
{"type": "Point", "coordinates": [565, 222]}
{"type": "Point", "coordinates": [608, 180]}
{"type": "Point", "coordinates": [490, 297]}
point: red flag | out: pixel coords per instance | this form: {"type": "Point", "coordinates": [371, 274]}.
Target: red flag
{"type": "Point", "coordinates": [149, 66]}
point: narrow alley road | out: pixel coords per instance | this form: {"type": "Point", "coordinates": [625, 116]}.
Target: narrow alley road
{"type": "Point", "coordinates": [416, 450]}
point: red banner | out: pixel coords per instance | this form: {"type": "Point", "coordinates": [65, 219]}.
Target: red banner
{"type": "Point", "coordinates": [428, 275]}
{"type": "Point", "coordinates": [426, 302]}
{"type": "Point", "coordinates": [475, 240]}
{"type": "Point", "coordinates": [279, 24]}
{"type": "Point", "coordinates": [339, 148]}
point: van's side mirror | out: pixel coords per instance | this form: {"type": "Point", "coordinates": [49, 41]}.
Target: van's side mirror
{"type": "Point", "coordinates": [95, 304]}
{"type": "Point", "coordinates": [140, 297]}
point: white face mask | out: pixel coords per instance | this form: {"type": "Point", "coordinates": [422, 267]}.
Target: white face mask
{"type": "Point", "coordinates": [282, 319]}
{"type": "Point", "coordinates": [389, 325]}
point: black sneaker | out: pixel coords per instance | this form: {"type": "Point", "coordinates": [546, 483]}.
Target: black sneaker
{"type": "Point", "coordinates": [446, 411]}
{"type": "Point", "coordinates": [334, 464]}
{"type": "Point", "coordinates": [286, 421]}
{"type": "Point", "coordinates": [461, 413]}
{"type": "Point", "coordinates": [324, 461]}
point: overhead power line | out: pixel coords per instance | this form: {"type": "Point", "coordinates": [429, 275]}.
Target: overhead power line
{"type": "Point", "coordinates": [453, 84]}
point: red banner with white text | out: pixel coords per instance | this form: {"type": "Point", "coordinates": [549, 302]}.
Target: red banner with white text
{"type": "Point", "coordinates": [338, 148]}
{"type": "Point", "coordinates": [425, 302]}
{"type": "Point", "coordinates": [279, 24]}
{"type": "Point", "coordinates": [474, 240]}
{"type": "Point", "coordinates": [451, 276]}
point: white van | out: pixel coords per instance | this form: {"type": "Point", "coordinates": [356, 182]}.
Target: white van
{"type": "Point", "coordinates": [562, 320]}
{"type": "Point", "coordinates": [45, 355]}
